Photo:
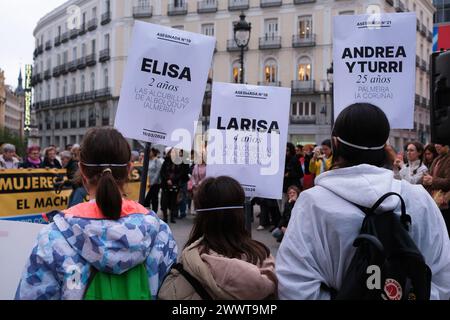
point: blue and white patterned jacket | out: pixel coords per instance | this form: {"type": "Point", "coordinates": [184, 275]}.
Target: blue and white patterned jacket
{"type": "Point", "coordinates": [60, 264]}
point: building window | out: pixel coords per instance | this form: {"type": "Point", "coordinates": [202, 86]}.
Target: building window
{"type": "Point", "coordinates": [270, 71]}
{"type": "Point", "coordinates": [65, 120]}
{"type": "Point", "coordinates": [106, 79]}
{"type": "Point", "coordinates": [178, 3]}
{"type": "Point", "coordinates": [208, 29]}
{"type": "Point", "coordinates": [83, 50]}
{"type": "Point", "coordinates": [303, 109]}
{"type": "Point", "coordinates": [74, 86]}
{"type": "Point", "coordinates": [93, 46]}
{"type": "Point", "coordinates": [82, 118]}
{"type": "Point", "coordinates": [94, 12]}
{"type": "Point", "coordinates": [106, 43]}
{"type": "Point", "coordinates": [91, 117]}
{"type": "Point", "coordinates": [92, 81]}
{"type": "Point", "coordinates": [74, 53]}
{"type": "Point", "coordinates": [236, 74]}
{"type": "Point", "coordinates": [270, 28]}
{"type": "Point", "coordinates": [64, 93]}
{"type": "Point", "coordinates": [73, 119]}
{"type": "Point", "coordinates": [105, 116]}
{"type": "Point", "coordinates": [305, 26]}
{"type": "Point", "coordinates": [83, 84]}
{"type": "Point", "coordinates": [57, 120]}
{"type": "Point", "coordinates": [304, 69]}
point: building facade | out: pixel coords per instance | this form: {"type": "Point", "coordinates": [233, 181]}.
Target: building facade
{"type": "Point", "coordinates": [11, 107]}
{"type": "Point", "coordinates": [79, 67]}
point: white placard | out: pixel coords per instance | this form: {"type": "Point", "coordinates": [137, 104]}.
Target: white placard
{"type": "Point", "coordinates": [164, 84]}
{"type": "Point", "coordinates": [374, 61]}
{"type": "Point", "coordinates": [247, 136]}
{"type": "Point", "coordinates": [16, 242]}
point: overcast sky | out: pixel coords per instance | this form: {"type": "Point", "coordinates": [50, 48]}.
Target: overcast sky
{"type": "Point", "coordinates": [18, 18]}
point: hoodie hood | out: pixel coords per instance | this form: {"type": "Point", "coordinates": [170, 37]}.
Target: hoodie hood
{"type": "Point", "coordinates": [112, 246]}
{"type": "Point", "coordinates": [230, 278]}
{"type": "Point", "coordinates": [362, 185]}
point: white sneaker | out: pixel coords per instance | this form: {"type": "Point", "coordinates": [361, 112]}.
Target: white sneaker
{"type": "Point", "coordinates": [259, 228]}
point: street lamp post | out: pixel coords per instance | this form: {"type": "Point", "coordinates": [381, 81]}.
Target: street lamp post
{"type": "Point", "coordinates": [330, 81]}
{"type": "Point", "coordinates": [242, 30]}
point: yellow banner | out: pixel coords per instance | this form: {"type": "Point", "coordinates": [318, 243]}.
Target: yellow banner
{"type": "Point", "coordinates": [27, 193]}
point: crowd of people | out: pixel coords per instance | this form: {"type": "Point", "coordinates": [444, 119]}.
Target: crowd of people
{"type": "Point", "coordinates": [316, 221]}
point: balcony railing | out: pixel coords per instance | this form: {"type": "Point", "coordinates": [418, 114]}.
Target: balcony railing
{"type": "Point", "coordinates": [103, 93]}
{"type": "Point", "coordinates": [45, 103]}
{"type": "Point", "coordinates": [234, 5]}
{"type": "Point", "coordinates": [73, 33]}
{"type": "Point", "coordinates": [417, 61]}
{"type": "Point", "coordinates": [65, 37]}
{"type": "Point", "coordinates": [417, 99]}
{"type": "Point", "coordinates": [300, 86]}
{"type": "Point", "coordinates": [176, 10]}
{"type": "Point", "coordinates": [81, 63]}
{"type": "Point", "coordinates": [303, 1]}
{"type": "Point", "coordinates": [106, 18]}
{"type": "Point", "coordinates": [89, 95]}
{"type": "Point", "coordinates": [63, 68]}
{"type": "Point", "coordinates": [270, 42]}
{"type": "Point", "coordinates": [303, 119]}
{"type": "Point", "coordinates": [423, 65]}
{"type": "Point", "coordinates": [82, 29]}
{"type": "Point", "coordinates": [71, 98]}
{"type": "Point", "coordinates": [307, 40]}
{"type": "Point", "coordinates": [270, 83]}
{"type": "Point", "coordinates": [207, 6]}
{"type": "Point", "coordinates": [270, 3]}
{"type": "Point", "coordinates": [90, 60]}
{"type": "Point", "coordinates": [72, 65]}
{"type": "Point", "coordinates": [92, 24]}
{"type": "Point", "coordinates": [55, 101]}
{"type": "Point", "coordinates": [48, 45]}
{"type": "Point", "coordinates": [47, 74]}
{"type": "Point", "coordinates": [142, 12]}
{"type": "Point", "coordinates": [57, 41]}
{"type": "Point", "coordinates": [104, 55]}
{"type": "Point", "coordinates": [232, 46]}
{"type": "Point", "coordinates": [423, 30]}
{"type": "Point", "coordinates": [424, 103]}
{"type": "Point", "coordinates": [56, 71]}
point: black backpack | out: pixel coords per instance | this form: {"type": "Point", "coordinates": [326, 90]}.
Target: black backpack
{"type": "Point", "coordinates": [387, 264]}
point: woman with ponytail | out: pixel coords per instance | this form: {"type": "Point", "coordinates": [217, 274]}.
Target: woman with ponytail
{"type": "Point", "coordinates": [92, 243]}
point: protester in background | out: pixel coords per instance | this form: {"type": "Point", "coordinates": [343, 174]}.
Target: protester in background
{"type": "Point", "coordinates": [293, 193]}
{"type": "Point", "coordinates": [79, 192]}
{"type": "Point", "coordinates": [293, 174]}
{"type": "Point", "coordinates": [134, 156]}
{"type": "Point", "coordinates": [308, 177]}
{"type": "Point", "coordinates": [198, 173]}
{"type": "Point", "coordinates": [7, 158]}
{"type": "Point", "coordinates": [171, 174]}
{"type": "Point", "coordinates": [141, 157]}
{"type": "Point", "coordinates": [50, 160]}
{"type": "Point", "coordinates": [269, 216]}
{"type": "Point", "coordinates": [220, 255]}
{"type": "Point", "coordinates": [107, 236]}
{"type": "Point", "coordinates": [414, 169]}
{"type": "Point", "coordinates": [318, 245]}
{"type": "Point", "coordinates": [154, 176]}
{"type": "Point", "coordinates": [437, 182]}
{"type": "Point", "coordinates": [429, 154]}
{"type": "Point", "coordinates": [322, 158]}
{"type": "Point", "coordinates": [33, 159]}
{"type": "Point", "coordinates": [70, 146]}
{"type": "Point", "coordinates": [184, 179]}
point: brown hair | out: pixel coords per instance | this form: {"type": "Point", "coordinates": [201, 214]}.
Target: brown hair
{"type": "Point", "coordinates": [106, 146]}
{"type": "Point", "coordinates": [223, 231]}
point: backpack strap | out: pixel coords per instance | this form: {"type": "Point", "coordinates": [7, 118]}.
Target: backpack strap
{"type": "Point", "coordinates": [404, 218]}
{"type": "Point", "coordinates": [193, 282]}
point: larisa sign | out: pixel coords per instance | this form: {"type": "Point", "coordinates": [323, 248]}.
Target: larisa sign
{"type": "Point", "coordinates": [247, 136]}
{"type": "Point", "coordinates": [164, 84]}
{"type": "Point", "coordinates": [374, 61]}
